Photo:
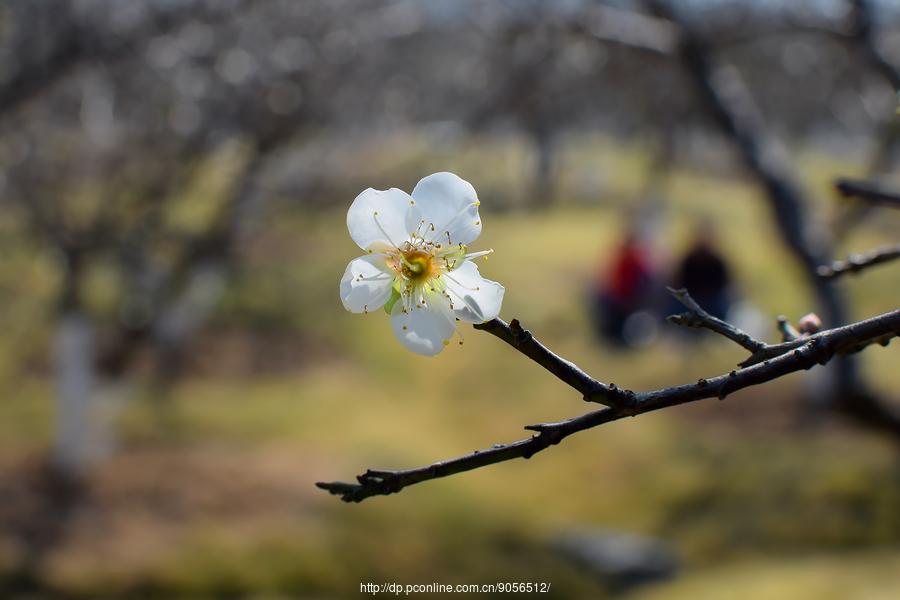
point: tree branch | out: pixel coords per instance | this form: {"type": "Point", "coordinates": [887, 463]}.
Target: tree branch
{"type": "Point", "coordinates": [629, 29]}
{"type": "Point", "coordinates": [859, 30]}
{"type": "Point", "coordinates": [759, 351]}
{"type": "Point", "coordinates": [74, 43]}
{"type": "Point", "coordinates": [808, 352]}
{"type": "Point", "coordinates": [860, 262]}
{"type": "Point", "coordinates": [868, 191]}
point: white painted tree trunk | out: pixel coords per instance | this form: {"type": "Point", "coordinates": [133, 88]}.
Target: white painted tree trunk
{"type": "Point", "coordinates": [75, 380]}
{"type": "Point", "coordinates": [88, 406]}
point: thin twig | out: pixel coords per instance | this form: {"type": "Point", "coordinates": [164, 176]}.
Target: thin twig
{"type": "Point", "coordinates": [698, 318]}
{"type": "Point", "coordinates": [815, 349]}
{"type": "Point", "coordinates": [759, 351]}
{"type": "Point", "coordinates": [868, 191]}
{"type": "Point", "coordinates": [860, 262]}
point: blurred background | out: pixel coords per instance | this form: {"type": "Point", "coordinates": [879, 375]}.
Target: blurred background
{"type": "Point", "coordinates": [177, 370]}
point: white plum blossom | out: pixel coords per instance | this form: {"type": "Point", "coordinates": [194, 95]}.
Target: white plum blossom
{"type": "Point", "coordinates": [418, 266]}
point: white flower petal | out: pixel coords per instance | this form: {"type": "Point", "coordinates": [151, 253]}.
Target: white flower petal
{"type": "Point", "coordinates": [416, 223]}
{"type": "Point", "coordinates": [366, 284]}
{"type": "Point", "coordinates": [424, 329]}
{"type": "Point", "coordinates": [451, 205]}
{"type": "Point", "coordinates": [475, 299]}
{"type": "Point", "coordinates": [377, 219]}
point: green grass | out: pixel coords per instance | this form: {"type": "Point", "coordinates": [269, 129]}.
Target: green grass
{"type": "Point", "coordinates": [864, 576]}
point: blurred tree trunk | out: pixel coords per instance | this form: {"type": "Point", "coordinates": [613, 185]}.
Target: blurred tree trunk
{"type": "Point", "coordinates": [543, 191]}
{"type": "Point", "coordinates": [75, 381]}
{"type": "Point", "coordinates": [87, 401]}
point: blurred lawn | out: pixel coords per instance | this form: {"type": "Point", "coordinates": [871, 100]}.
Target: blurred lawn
{"type": "Point", "coordinates": [758, 499]}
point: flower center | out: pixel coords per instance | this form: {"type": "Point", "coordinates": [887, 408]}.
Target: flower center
{"type": "Point", "coordinates": [417, 265]}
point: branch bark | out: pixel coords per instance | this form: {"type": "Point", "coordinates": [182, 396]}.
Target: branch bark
{"type": "Point", "coordinates": [856, 263]}
{"type": "Point", "coordinates": [566, 371]}
{"type": "Point", "coordinates": [696, 317]}
{"type": "Point", "coordinates": [814, 350]}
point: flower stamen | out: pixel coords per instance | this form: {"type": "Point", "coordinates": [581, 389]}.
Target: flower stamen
{"type": "Point", "coordinates": [461, 212]}
{"type": "Point", "coordinates": [484, 253]}
{"type": "Point", "coordinates": [376, 277]}
{"type": "Point", "coordinates": [460, 284]}
{"type": "Point", "coordinates": [382, 230]}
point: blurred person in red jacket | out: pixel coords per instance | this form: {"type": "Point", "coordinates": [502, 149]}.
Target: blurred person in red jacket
{"type": "Point", "coordinates": [624, 293]}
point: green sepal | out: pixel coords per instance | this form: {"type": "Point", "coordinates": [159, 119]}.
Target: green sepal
{"type": "Point", "coordinates": [395, 295]}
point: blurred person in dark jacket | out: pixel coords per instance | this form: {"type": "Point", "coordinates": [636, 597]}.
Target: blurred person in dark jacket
{"type": "Point", "coordinates": [705, 275]}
